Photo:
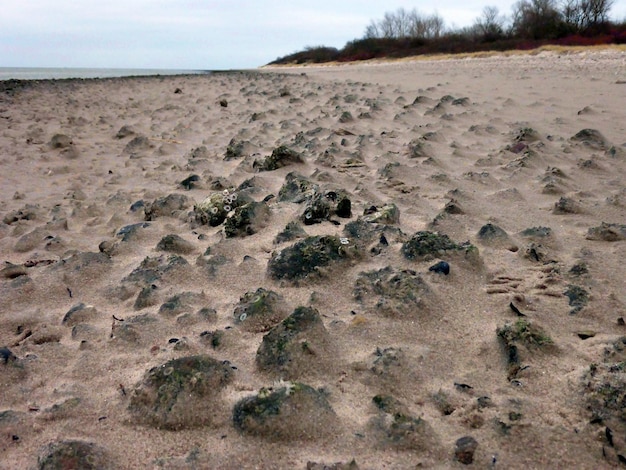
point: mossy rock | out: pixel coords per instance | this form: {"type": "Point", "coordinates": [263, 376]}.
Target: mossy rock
{"type": "Point", "coordinates": [306, 256]}
{"type": "Point", "coordinates": [166, 206]}
{"type": "Point", "coordinates": [181, 393]}
{"type": "Point", "coordinates": [74, 454]}
{"type": "Point", "coordinates": [521, 332]}
{"type": "Point", "coordinates": [293, 411]}
{"type": "Point", "coordinates": [578, 298]}
{"type": "Point", "coordinates": [426, 245]}
{"type": "Point", "coordinates": [280, 157]}
{"type": "Point", "coordinates": [259, 310]}
{"type": "Point", "coordinates": [292, 231]}
{"type": "Point", "coordinates": [247, 219]}
{"type": "Point", "coordinates": [393, 292]}
{"type": "Point", "coordinates": [300, 343]}
{"type": "Point", "coordinates": [317, 209]}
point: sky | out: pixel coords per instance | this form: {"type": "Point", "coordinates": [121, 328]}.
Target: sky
{"type": "Point", "coordinates": [200, 34]}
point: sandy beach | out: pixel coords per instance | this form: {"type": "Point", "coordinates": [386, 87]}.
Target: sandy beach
{"type": "Point", "coordinates": [414, 264]}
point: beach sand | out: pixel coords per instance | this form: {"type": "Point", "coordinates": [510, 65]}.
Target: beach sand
{"type": "Point", "coordinates": [138, 224]}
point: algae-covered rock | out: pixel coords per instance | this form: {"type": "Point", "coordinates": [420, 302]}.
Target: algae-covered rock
{"type": "Point", "coordinates": [280, 157]}
{"type": "Point", "coordinates": [166, 206]}
{"type": "Point", "coordinates": [297, 345]}
{"type": "Point", "coordinates": [291, 411]}
{"type": "Point", "coordinates": [181, 393]}
{"type": "Point", "coordinates": [296, 188]}
{"type": "Point", "coordinates": [393, 292]}
{"type": "Point", "coordinates": [306, 256]}
{"type": "Point", "coordinates": [578, 298]}
{"type": "Point", "coordinates": [387, 214]}
{"type": "Point", "coordinates": [260, 310]}
{"type": "Point", "coordinates": [520, 333]}
{"type": "Point", "coordinates": [74, 454]}
{"type": "Point", "coordinates": [426, 245]}
{"type": "Point", "coordinates": [247, 219]}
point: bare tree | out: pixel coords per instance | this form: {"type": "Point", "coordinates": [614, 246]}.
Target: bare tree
{"type": "Point", "coordinates": [490, 25]}
{"type": "Point", "coordinates": [581, 15]}
{"type": "Point", "coordinates": [536, 19]}
{"type": "Point", "coordinates": [405, 24]}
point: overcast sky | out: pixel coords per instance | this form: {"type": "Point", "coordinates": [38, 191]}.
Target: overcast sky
{"type": "Point", "coordinates": [199, 34]}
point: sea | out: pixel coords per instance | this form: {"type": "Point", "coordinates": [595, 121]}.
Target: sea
{"type": "Point", "coordinates": [30, 73]}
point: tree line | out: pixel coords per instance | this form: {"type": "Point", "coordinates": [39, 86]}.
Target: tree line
{"type": "Point", "coordinates": [532, 23]}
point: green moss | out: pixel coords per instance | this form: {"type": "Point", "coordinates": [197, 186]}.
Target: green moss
{"type": "Point", "coordinates": [523, 331]}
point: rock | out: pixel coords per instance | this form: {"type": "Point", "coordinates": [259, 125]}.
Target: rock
{"type": "Point", "coordinates": [307, 256]}
{"type": "Point", "coordinates": [536, 232]}
{"type": "Point", "coordinates": [292, 231]}
{"type": "Point", "coordinates": [175, 244]}
{"type": "Point", "coordinates": [440, 268]}
{"type": "Point", "coordinates": [296, 188]}
{"type": "Point", "coordinates": [153, 268]}
{"type": "Point", "coordinates": [591, 138]}
{"type": "Point", "coordinates": [181, 303]}
{"type": "Point", "coordinates": [521, 332]}
{"type": "Point", "coordinates": [247, 219]}
{"type": "Point", "coordinates": [214, 209]}
{"type": "Point", "coordinates": [393, 292]}
{"type": "Point", "coordinates": [566, 205]}
{"type": "Point", "coordinates": [280, 157]}
{"type": "Point", "coordinates": [137, 144]}
{"type": "Point", "coordinates": [79, 313]}
{"type": "Point", "coordinates": [190, 182]}
{"type": "Point", "coordinates": [259, 310]}
{"type": "Point", "coordinates": [147, 297]}
{"type": "Point", "coordinates": [607, 232]}
{"type": "Point", "coordinates": [464, 449]}
{"type": "Point", "coordinates": [387, 214]}
{"type": "Point", "coordinates": [12, 271]}
{"type": "Point", "coordinates": [166, 206]}
{"type": "Point", "coordinates": [578, 298]}
{"type": "Point", "coordinates": [28, 212]}
{"type": "Point", "coordinates": [495, 237]}
{"type": "Point", "coordinates": [6, 356]}
{"type": "Point", "coordinates": [125, 131]}
{"type": "Point", "coordinates": [352, 465]}
{"type": "Point", "coordinates": [61, 141]}
{"type": "Point", "coordinates": [74, 454]}
{"type": "Point", "coordinates": [398, 429]}
{"type": "Point", "coordinates": [297, 345]}
{"type": "Point", "coordinates": [223, 103]}
{"type": "Point", "coordinates": [291, 411]}
{"type": "Point", "coordinates": [182, 393]}
{"type": "Point", "coordinates": [428, 245]}
{"type": "Point", "coordinates": [239, 149]}
{"type": "Point", "coordinates": [317, 209]}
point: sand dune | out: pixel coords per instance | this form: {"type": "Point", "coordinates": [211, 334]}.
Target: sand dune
{"type": "Point", "coordinates": [244, 270]}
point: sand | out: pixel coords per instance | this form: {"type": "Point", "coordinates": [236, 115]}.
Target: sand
{"type": "Point", "coordinates": [455, 144]}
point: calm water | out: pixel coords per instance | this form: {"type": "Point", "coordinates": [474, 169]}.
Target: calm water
{"type": "Point", "coordinates": [28, 73]}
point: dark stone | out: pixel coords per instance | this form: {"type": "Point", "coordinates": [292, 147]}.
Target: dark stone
{"type": "Point", "coordinates": [224, 103]}
{"type": "Point", "coordinates": [166, 206]}
{"type": "Point", "coordinates": [280, 157]}
{"type": "Point", "coordinates": [74, 454]}
{"type": "Point", "coordinates": [295, 411]}
{"type": "Point", "coordinates": [190, 182]}
{"type": "Point", "coordinates": [578, 298]}
{"type": "Point", "coordinates": [181, 393]}
{"type": "Point", "coordinates": [6, 356]}
{"type": "Point", "coordinates": [60, 141]}
{"type": "Point", "coordinates": [344, 208]}
{"type": "Point", "coordinates": [464, 449]}
{"type": "Point", "coordinates": [137, 144]}
{"type": "Point", "coordinates": [305, 256]}
{"type": "Point", "coordinates": [296, 188]}
{"type": "Point", "coordinates": [294, 345]}
{"type": "Point", "coordinates": [494, 236]}
{"type": "Point", "coordinates": [146, 298]}
{"type": "Point", "coordinates": [175, 244]}
{"type": "Point", "coordinates": [247, 220]}
{"type": "Point", "coordinates": [352, 465]}
{"type": "Point", "coordinates": [125, 131]}
{"type": "Point", "coordinates": [152, 268]}
{"type": "Point", "coordinates": [566, 205]}
{"type": "Point", "coordinates": [137, 206]}
{"type": "Point", "coordinates": [79, 313]}
{"type": "Point", "coordinates": [537, 232]}
{"type": "Point", "coordinates": [591, 138]}
{"type": "Point", "coordinates": [180, 303]}
{"type": "Point", "coordinates": [28, 212]}
{"type": "Point", "coordinates": [259, 310]}
{"type": "Point", "coordinates": [317, 210]}
{"type": "Point", "coordinates": [345, 117]}
{"type": "Point", "coordinates": [521, 332]}
{"type": "Point", "coordinates": [387, 214]}
{"type": "Point", "coordinates": [441, 268]}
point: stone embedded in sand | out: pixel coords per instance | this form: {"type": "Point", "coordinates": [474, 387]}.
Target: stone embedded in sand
{"type": "Point", "coordinates": [297, 345]}
{"type": "Point", "coordinates": [536, 232]}
{"type": "Point", "coordinates": [190, 182]}
{"type": "Point", "coordinates": [12, 271]}
{"type": "Point", "coordinates": [239, 149]}
{"type": "Point", "coordinates": [296, 188]}
{"type": "Point", "coordinates": [128, 232]}
{"type": "Point", "coordinates": [317, 209]}
{"type": "Point", "coordinates": [607, 232]}
{"type": "Point", "coordinates": [166, 206]}
{"type": "Point", "coordinates": [280, 157]}
{"type": "Point", "coordinates": [152, 268]}
{"type": "Point", "coordinates": [28, 212]}
{"type": "Point", "coordinates": [495, 237]}
{"type": "Point", "coordinates": [387, 214]}
{"type": "Point", "coordinates": [61, 141]}
{"type": "Point", "coordinates": [352, 465]}
{"type": "Point", "coordinates": [521, 332]}
{"type": "Point", "coordinates": [214, 209]}
{"type": "Point", "coordinates": [591, 138]}
{"type": "Point", "coordinates": [137, 144]}
{"type": "Point", "coordinates": [175, 244]}
{"type": "Point", "coordinates": [440, 268]}
{"type": "Point", "coordinates": [566, 205]}
{"type": "Point", "coordinates": [464, 449]}
{"type": "Point", "coordinates": [181, 303]}
{"type": "Point", "coordinates": [181, 393]}
{"type": "Point", "coordinates": [259, 310]}
{"type": "Point", "coordinates": [125, 131]}
{"type": "Point", "coordinates": [294, 411]}
{"type": "Point", "coordinates": [6, 356]}
{"type": "Point", "coordinates": [428, 245]}
{"type": "Point", "coordinates": [578, 298]}
{"type": "Point", "coordinates": [247, 219]}
{"type": "Point", "coordinates": [398, 429]}
{"type": "Point", "coordinates": [79, 313]}
{"type": "Point", "coordinates": [393, 292]}
{"type": "Point", "coordinates": [292, 231]}
{"type": "Point", "coordinates": [74, 454]}
{"type": "Point", "coordinates": [307, 256]}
